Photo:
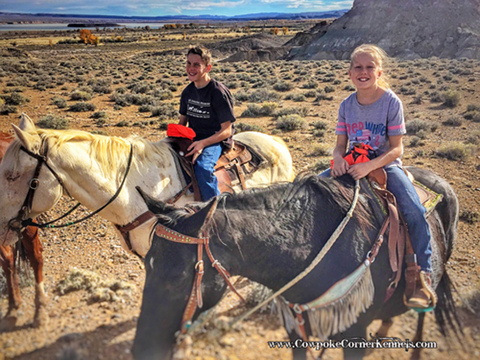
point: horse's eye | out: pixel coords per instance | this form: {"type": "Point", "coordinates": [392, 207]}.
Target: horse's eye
{"type": "Point", "coordinates": [10, 176]}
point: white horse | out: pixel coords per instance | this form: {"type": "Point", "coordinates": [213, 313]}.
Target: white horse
{"type": "Point", "coordinates": [92, 167]}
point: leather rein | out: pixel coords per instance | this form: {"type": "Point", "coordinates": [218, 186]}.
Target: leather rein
{"type": "Point", "coordinates": [21, 221]}
{"type": "Point", "coordinates": [195, 300]}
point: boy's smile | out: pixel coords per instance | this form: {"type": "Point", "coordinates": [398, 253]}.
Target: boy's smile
{"type": "Point", "coordinates": [197, 71]}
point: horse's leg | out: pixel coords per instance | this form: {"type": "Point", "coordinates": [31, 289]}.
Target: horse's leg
{"type": "Point", "coordinates": [386, 325]}
{"type": "Point", "coordinates": [298, 353]}
{"type": "Point", "coordinates": [418, 336]}
{"type": "Point", "coordinates": [7, 261]}
{"type": "Point", "coordinates": [33, 248]}
{"type": "Point", "coordinates": [356, 333]}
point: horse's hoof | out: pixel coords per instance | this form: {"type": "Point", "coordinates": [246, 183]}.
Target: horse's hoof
{"type": "Point", "coordinates": [41, 319]}
{"type": "Point", "coordinates": [8, 323]}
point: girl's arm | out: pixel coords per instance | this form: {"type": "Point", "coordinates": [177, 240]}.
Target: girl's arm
{"type": "Point", "coordinates": [340, 165]}
{"type": "Point", "coordinates": [361, 170]}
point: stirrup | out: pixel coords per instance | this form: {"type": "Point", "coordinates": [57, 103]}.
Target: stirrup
{"type": "Point", "coordinates": [423, 284]}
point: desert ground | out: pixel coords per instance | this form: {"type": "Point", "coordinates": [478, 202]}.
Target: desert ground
{"type": "Point", "coordinates": [124, 88]}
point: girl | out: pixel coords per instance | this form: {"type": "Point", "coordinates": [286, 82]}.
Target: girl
{"type": "Point", "coordinates": [373, 115]}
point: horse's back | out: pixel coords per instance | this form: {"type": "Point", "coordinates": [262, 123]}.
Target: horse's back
{"type": "Point", "coordinates": [274, 150]}
{"type": "Point", "coordinates": [447, 209]}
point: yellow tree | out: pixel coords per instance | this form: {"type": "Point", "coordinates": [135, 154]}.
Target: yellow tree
{"type": "Point", "coordinates": [285, 30]}
{"type": "Point", "coordinates": [274, 31]}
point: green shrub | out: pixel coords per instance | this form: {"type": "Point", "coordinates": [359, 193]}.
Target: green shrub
{"type": "Point", "coordinates": [53, 122]}
{"type": "Point", "coordinates": [302, 111]}
{"type": "Point", "coordinates": [453, 121]}
{"type": "Point", "coordinates": [163, 94]}
{"type": "Point", "coordinates": [283, 86]}
{"type": "Point", "coordinates": [15, 99]}
{"type": "Point", "coordinates": [254, 110]}
{"type": "Point", "coordinates": [320, 150]}
{"type": "Point", "coordinates": [81, 107]}
{"type": "Point", "coordinates": [329, 89]}
{"type": "Point", "coordinates": [451, 98]}
{"type": "Point", "coordinates": [322, 125]}
{"type": "Point", "coordinates": [262, 95]}
{"type": "Point", "coordinates": [416, 141]}
{"type": "Point", "coordinates": [165, 111]}
{"type": "Point", "coordinates": [80, 95]}
{"type": "Point", "coordinates": [7, 109]}
{"type": "Point", "coordinates": [122, 123]}
{"type": "Point", "coordinates": [291, 122]}
{"type": "Point", "coordinates": [470, 217]}
{"type": "Point", "coordinates": [472, 107]}
{"type": "Point", "coordinates": [414, 126]}
{"type": "Point", "coordinates": [321, 165]}
{"type": "Point", "coordinates": [240, 127]}
{"type": "Point", "coordinates": [455, 151]}
{"type": "Point", "coordinates": [61, 103]}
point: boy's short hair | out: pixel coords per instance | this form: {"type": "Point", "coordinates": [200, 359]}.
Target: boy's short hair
{"type": "Point", "coordinates": [202, 51]}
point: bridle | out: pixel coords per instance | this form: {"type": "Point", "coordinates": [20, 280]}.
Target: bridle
{"type": "Point", "coordinates": [195, 299]}
{"type": "Point", "coordinates": [21, 221]}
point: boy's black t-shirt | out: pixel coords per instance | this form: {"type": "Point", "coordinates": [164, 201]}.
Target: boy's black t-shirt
{"type": "Point", "coordinates": [207, 108]}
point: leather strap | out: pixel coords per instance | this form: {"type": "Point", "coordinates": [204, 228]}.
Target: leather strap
{"type": "Point", "coordinates": [124, 229]}
{"type": "Point", "coordinates": [241, 175]}
{"type": "Point", "coordinates": [195, 299]}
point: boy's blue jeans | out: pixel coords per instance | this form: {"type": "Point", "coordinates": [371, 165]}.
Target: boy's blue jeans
{"type": "Point", "coordinates": [412, 212]}
{"type": "Point", "coordinates": [207, 182]}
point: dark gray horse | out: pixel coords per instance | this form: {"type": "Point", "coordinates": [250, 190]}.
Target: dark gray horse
{"type": "Point", "coordinates": [269, 236]}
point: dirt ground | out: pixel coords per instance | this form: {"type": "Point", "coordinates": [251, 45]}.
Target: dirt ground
{"type": "Point", "coordinates": [81, 328]}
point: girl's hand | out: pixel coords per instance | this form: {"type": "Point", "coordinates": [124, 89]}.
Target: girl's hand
{"type": "Point", "coordinates": [359, 171]}
{"type": "Point", "coordinates": [340, 167]}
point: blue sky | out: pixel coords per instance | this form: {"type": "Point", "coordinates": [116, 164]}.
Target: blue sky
{"type": "Point", "coordinates": [170, 7]}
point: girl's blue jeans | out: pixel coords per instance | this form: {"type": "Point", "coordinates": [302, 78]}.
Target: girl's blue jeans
{"type": "Point", "coordinates": [413, 212]}
{"type": "Point", "coordinates": [204, 166]}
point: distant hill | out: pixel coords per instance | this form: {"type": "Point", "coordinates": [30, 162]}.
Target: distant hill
{"type": "Point", "coordinates": [19, 17]}
{"type": "Point", "coordinates": [407, 29]}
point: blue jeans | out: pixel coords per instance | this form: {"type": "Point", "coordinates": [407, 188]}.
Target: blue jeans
{"type": "Point", "coordinates": [207, 181]}
{"type": "Point", "coordinates": [413, 212]}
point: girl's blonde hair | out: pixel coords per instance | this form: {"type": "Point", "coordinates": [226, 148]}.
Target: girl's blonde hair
{"type": "Point", "coordinates": [380, 58]}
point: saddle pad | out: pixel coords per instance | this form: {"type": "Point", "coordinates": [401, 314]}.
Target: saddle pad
{"type": "Point", "coordinates": [428, 197]}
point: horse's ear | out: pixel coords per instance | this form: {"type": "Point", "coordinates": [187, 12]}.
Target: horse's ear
{"type": "Point", "coordinates": [25, 138]}
{"type": "Point", "coordinates": [155, 206]}
{"type": "Point", "coordinates": [26, 124]}
{"type": "Point", "coordinates": [203, 216]}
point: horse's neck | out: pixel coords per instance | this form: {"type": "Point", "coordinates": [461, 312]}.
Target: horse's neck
{"type": "Point", "coordinates": [86, 183]}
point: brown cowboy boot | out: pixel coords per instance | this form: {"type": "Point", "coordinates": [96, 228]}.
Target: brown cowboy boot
{"type": "Point", "coordinates": [422, 297]}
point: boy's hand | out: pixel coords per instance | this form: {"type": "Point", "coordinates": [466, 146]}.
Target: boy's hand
{"type": "Point", "coordinates": [195, 149]}
{"type": "Point", "coordinates": [340, 167]}
{"type": "Point", "coordinates": [359, 171]}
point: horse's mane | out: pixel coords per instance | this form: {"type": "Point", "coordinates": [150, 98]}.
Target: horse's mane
{"type": "Point", "coordinates": [110, 152]}
{"type": "Point", "coordinates": [336, 194]}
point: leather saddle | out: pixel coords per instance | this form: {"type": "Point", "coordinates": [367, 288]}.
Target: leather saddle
{"type": "Point", "coordinates": [399, 244]}
{"type": "Point", "coordinates": [233, 167]}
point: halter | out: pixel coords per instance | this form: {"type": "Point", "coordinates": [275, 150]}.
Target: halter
{"type": "Point", "coordinates": [195, 299]}
{"type": "Point", "coordinates": [21, 221]}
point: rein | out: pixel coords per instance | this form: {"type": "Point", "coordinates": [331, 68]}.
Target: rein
{"type": "Point", "coordinates": [333, 238]}
{"type": "Point", "coordinates": [20, 221]}
{"type": "Point", "coordinates": [195, 299]}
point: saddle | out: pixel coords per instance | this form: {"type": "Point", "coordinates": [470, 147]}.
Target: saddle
{"type": "Point", "coordinates": [233, 167]}
{"type": "Point", "coordinates": [399, 244]}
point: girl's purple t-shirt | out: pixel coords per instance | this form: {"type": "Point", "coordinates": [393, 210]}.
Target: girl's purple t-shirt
{"type": "Point", "coordinates": [372, 124]}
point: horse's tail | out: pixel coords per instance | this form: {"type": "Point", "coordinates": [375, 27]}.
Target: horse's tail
{"type": "Point", "coordinates": [446, 311]}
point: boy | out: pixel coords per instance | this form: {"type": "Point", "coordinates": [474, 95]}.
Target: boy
{"type": "Point", "coordinates": [206, 105]}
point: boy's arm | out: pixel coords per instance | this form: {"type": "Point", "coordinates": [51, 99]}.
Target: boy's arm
{"type": "Point", "coordinates": [197, 146]}
{"type": "Point", "coordinates": [183, 120]}
{"type": "Point", "coordinates": [395, 150]}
